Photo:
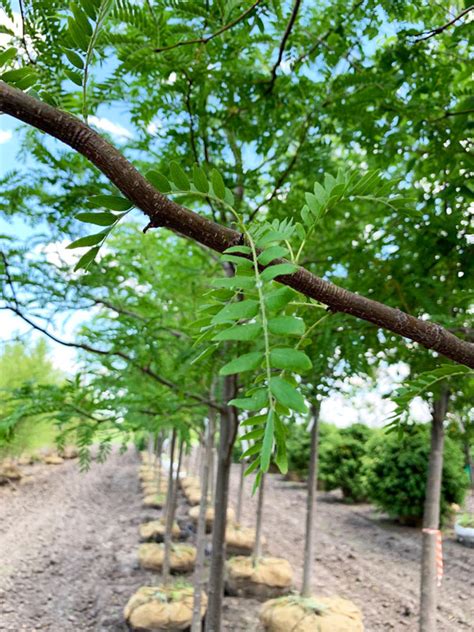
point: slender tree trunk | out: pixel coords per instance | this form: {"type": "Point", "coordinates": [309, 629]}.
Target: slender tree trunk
{"type": "Point", "coordinates": [428, 592]}
{"type": "Point", "coordinates": [201, 527]}
{"type": "Point", "coordinates": [311, 501]}
{"type": "Point", "coordinates": [168, 515]}
{"type": "Point", "coordinates": [151, 442]}
{"type": "Point", "coordinates": [240, 493]}
{"type": "Point", "coordinates": [257, 549]}
{"type": "Point", "coordinates": [228, 430]}
{"type": "Point", "coordinates": [159, 447]}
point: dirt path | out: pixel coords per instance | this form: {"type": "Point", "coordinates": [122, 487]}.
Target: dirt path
{"type": "Point", "coordinates": [68, 554]}
{"type": "Point", "coordinates": [364, 558]}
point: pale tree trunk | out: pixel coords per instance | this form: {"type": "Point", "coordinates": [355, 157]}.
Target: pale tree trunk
{"type": "Point", "coordinates": [257, 549]}
{"type": "Point", "coordinates": [201, 527]}
{"type": "Point", "coordinates": [159, 447]}
{"type": "Point", "coordinates": [431, 517]}
{"type": "Point", "coordinates": [168, 514]}
{"type": "Point", "coordinates": [151, 445]}
{"type": "Point", "coordinates": [227, 431]}
{"type": "Point", "coordinates": [240, 496]}
{"type": "Point", "coordinates": [311, 501]}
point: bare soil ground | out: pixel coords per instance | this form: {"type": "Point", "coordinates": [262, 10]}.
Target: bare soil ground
{"type": "Point", "coordinates": [68, 554]}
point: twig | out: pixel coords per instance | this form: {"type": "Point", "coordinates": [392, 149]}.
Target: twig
{"type": "Point", "coordinates": [428, 34]}
{"type": "Point", "coordinates": [281, 50]}
{"type": "Point", "coordinates": [208, 38]}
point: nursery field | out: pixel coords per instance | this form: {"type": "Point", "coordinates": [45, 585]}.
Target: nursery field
{"type": "Point", "coordinates": [69, 540]}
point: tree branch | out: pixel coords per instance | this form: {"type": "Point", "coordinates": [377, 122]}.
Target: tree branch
{"type": "Point", "coordinates": [208, 38]}
{"type": "Point", "coordinates": [428, 34]}
{"type": "Point", "coordinates": [286, 35]}
{"type": "Point", "coordinates": [120, 354]}
{"type": "Point", "coordinates": [164, 212]}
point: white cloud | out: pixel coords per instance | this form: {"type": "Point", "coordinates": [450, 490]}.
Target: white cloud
{"type": "Point", "coordinates": [109, 126]}
{"type": "Point", "coordinates": [5, 136]}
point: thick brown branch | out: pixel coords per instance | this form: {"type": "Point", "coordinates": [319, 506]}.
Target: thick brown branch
{"type": "Point", "coordinates": [165, 212]}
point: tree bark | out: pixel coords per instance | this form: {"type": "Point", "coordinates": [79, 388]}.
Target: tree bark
{"type": "Point", "coordinates": [240, 496]}
{"type": "Point", "coordinates": [311, 501]}
{"type": "Point", "coordinates": [431, 516]}
{"type": "Point", "coordinates": [228, 431]}
{"type": "Point", "coordinates": [168, 515]}
{"type": "Point", "coordinates": [201, 527]}
{"type": "Point", "coordinates": [166, 213]}
{"type": "Point", "coordinates": [257, 549]}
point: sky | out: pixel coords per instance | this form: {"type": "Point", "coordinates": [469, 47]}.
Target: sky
{"type": "Point", "coordinates": [353, 400]}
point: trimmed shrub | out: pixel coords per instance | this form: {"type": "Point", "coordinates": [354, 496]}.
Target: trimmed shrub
{"type": "Point", "coordinates": [341, 461]}
{"type": "Point", "coordinates": [395, 472]}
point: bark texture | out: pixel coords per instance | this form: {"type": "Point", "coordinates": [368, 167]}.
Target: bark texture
{"type": "Point", "coordinates": [311, 501]}
{"type": "Point", "coordinates": [164, 212]}
{"type": "Point", "coordinates": [227, 432]}
{"type": "Point", "coordinates": [169, 513]}
{"type": "Point", "coordinates": [431, 515]}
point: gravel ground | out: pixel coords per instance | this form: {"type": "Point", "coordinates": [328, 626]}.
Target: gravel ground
{"type": "Point", "coordinates": [68, 554]}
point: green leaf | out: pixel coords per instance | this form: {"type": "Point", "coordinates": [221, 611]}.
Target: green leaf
{"type": "Point", "coordinates": [246, 362]}
{"type": "Point", "coordinates": [73, 76]}
{"type": "Point", "coordinates": [286, 326]}
{"type": "Point", "coordinates": [101, 219]}
{"type": "Point", "coordinates": [81, 20]}
{"type": "Point", "coordinates": [267, 442]}
{"type": "Point", "coordinates": [254, 421]}
{"type": "Point", "coordinates": [256, 402]}
{"type": "Point", "coordinates": [279, 298]}
{"type": "Point", "coordinates": [218, 185]}
{"type": "Point", "coordinates": [159, 181]}
{"type": "Point", "coordinates": [290, 359]}
{"type": "Point", "coordinates": [236, 311]}
{"type": "Point", "coordinates": [278, 270]}
{"type": "Point", "coordinates": [254, 449]}
{"type": "Point", "coordinates": [74, 58]}
{"type": "Point", "coordinates": [313, 203]}
{"type": "Point", "coordinates": [78, 36]}
{"type": "Point", "coordinates": [253, 435]}
{"type": "Point", "coordinates": [281, 458]}
{"type": "Point", "coordinates": [239, 261]}
{"type": "Point", "coordinates": [200, 179]}
{"type": "Point", "coordinates": [12, 76]}
{"type": "Point", "coordinates": [86, 259]}
{"type": "Point", "coordinates": [252, 467]}
{"type": "Point", "coordinates": [208, 351]}
{"type": "Point", "coordinates": [287, 395]}
{"type": "Point", "coordinates": [269, 237]}
{"type": "Point", "coordinates": [240, 332]}
{"type": "Point", "coordinates": [236, 282]}
{"type": "Point", "coordinates": [274, 252]}
{"type": "Point", "coordinates": [246, 250]}
{"type": "Point", "coordinates": [178, 176]}
{"type": "Point", "coordinates": [90, 240]}
{"type": "Point", "coordinates": [7, 55]}
{"type": "Point", "coordinates": [112, 202]}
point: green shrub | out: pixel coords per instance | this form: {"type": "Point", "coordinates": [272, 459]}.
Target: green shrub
{"type": "Point", "coordinates": [298, 445]}
{"type": "Point", "coordinates": [466, 520]}
{"type": "Point", "coordinates": [341, 462]}
{"type": "Point", "coordinates": [395, 472]}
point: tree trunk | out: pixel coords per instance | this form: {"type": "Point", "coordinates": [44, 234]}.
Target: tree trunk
{"type": "Point", "coordinates": [151, 445]}
{"type": "Point", "coordinates": [241, 492]}
{"type": "Point", "coordinates": [201, 527]}
{"type": "Point", "coordinates": [227, 430]}
{"type": "Point", "coordinates": [159, 447]}
{"type": "Point", "coordinates": [168, 514]}
{"type": "Point", "coordinates": [428, 591]}
{"type": "Point", "coordinates": [257, 550]}
{"type": "Point", "coordinates": [311, 501]}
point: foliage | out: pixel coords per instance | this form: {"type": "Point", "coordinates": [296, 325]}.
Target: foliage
{"type": "Point", "coordinates": [20, 364]}
{"type": "Point", "coordinates": [395, 473]}
{"type": "Point", "coordinates": [341, 464]}
{"type": "Point", "coordinates": [466, 520]}
{"type": "Point", "coordinates": [299, 446]}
